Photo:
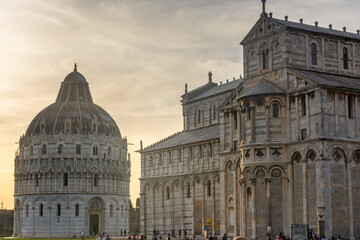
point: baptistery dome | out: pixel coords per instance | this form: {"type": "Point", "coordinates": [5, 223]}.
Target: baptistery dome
{"type": "Point", "coordinates": [73, 112]}
{"type": "Point", "coordinates": [72, 170]}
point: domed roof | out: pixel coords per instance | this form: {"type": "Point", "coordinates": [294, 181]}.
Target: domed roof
{"type": "Point", "coordinates": [73, 112]}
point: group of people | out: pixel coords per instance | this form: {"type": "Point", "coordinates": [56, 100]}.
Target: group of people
{"type": "Point", "coordinates": [316, 236]}
{"type": "Point", "coordinates": [102, 236]}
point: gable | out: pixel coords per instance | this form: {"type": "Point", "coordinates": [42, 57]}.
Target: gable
{"type": "Point", "coordinates": [263, 27]}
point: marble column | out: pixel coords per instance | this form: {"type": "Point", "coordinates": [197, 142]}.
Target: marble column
{"type": "Point", "coordinates": [268, 201]}
{"type": "Point", "coordinates": [253, 124]}
{"type": "Point", "coordinates": [193, 205]}
{"type": "Point", "coordinates": [304, 192]}
{"type": "Point", "coordinates": [235, 201]}
{"type": "Point", "coordinates": [267, 122]}
{"type": "Point", "coordinates": [253, 210]}
{"type": "Point", "coordinates": [350, 200]}
{"type": "Point", "coordinates": [203, 206]}
{"type": "Point", "coordinates": [214, 218]}
{"type": "Point", "coordinates": [243, 210]}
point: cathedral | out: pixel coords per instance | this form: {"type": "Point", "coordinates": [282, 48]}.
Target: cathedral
{"type": "Point", "coordinates": [277, 147]}
{"type": "Point", "coordinates": [72, 170]}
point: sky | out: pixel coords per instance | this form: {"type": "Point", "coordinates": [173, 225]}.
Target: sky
{"type": "Point", "coordinates": [136, 55]}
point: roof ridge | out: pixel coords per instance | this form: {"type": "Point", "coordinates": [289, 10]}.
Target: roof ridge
{"type": "Point", "coordinates": [165, 138]}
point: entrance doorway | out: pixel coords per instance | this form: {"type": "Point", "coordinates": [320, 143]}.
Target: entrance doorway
{"type": "Point", "coordinates": [94, 224]}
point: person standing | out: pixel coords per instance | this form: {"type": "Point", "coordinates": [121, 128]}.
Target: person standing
{"type": "Point", "coordinates": [179, 233]}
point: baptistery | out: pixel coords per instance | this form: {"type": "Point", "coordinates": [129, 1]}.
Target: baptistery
{"type": "Point", "coordinates": [72, 170]}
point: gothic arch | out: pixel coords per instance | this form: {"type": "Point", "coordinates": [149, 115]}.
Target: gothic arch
{"type": "Point", "coordinates": [276, 171]}
{"type": "Point", "coordinates": [260, 171]}
{"type": "Point", "coordinates": [247, 170]}
{"type": "Point", "coordinates": [57, 199]}
{"type": "Point", "coordinates": [356, 156]}
{"type": "Point", "coordinates": [310, 155]}
{"type": "Point", "coordinates": [338, 154]}
{"type": "Point", "coordinates": [228, 164]}
{"type": "Point", "coordinates": [296, 156]}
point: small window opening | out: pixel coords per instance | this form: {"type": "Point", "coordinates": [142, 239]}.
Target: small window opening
{"type": "Point", "coordinates": [275, 110]}
{"type": "Point", "coordinates": [41, 210]}
{"type": "Point", "coordinates": [27, 211]}
{"type": "Point", "coordinates": [199, 116]}
{"type": "Point", "coordinates": [303, 105]}
{"type": "Point", "coordinates": [200, 151]}
{"type": "Point", "coordinates": [313, 54]}
{"type": "Point", "coordinates": [235, 145]}
{"type": "Point", "coordinates": [235, 121]}
{"type": "Point", "coordinates": [209, 188]}
{"type": "Point", "coordinates": [77, 210]}
{"type": "Point", "coordinates": [188, 190]}
{"type": "Point", "coordinates": [265, 59]}
{"type": "Point", "coordinates": [95, 150]}
{"type": "Point", "coordinates": [169, 154]}
{"type": "Point", "coordinates": [345, 58]}
{"type": "Point", "coordinates": [214, 112]}
{"type": "Point", "coordinates": [179, 155]}
{"type": "Point", "coordinates": [66, 179]}
{"type": "Point", "coordinates": [78, 149]}
{"type": "Point", "coordinates": [44, 149]}
{"type": "Point", "coordinates": [31, 150]}
{"type": "Point", "coordinates": [109, 150]}
{"type": "Point", "coordinates": [60, 149]}
{"type": "Point", "coordinates": [58, 210]}
{"type": "Point", "coordinates": [303, 134]}
{"type": "Point", "coordinates": [111, 210]}
{"type": "Point", "coordinates": [351, 108]}
{"type": "Point", "coordinates": [167, 193]}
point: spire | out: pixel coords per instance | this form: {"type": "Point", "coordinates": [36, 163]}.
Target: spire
{"type": "Point", "coordinates": [210, 77]}
{"type": "Point", "coordinates": [75, 67]}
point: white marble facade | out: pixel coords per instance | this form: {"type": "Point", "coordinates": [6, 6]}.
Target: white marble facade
{"type": "Point", "coordinates": [280, 146]}
{"type": "Point", "coordinates": [72, 170]}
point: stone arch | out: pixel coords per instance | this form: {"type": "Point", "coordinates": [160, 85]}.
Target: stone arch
{"type": "Point", "coordinates": [356, 156]}
{"type": "Point", "coordinates": [310, 155]}
{"type": "Point", "coordinates": [147, 186]}
{"type": "Point", "coordinates": [25, 200]}
{"type": "Point", "coordinates": [260, 172]}
{"type": "Point", "coordinates": [228, 164]}
{"type": "Point", "coordinates": [276, 171]}
{"type": "Point", "coordinates": [57, 199]}
{"type": "Point", "coordinates": [337, 154]}
{"type": "Point", "coordinates": [77, 200]}
{"type": "Point", "coordinates": [247, 170]}
{"type": "Point", "coordinates": [296, 156]}
{"type": "Point", "coordinates": [38, 200]}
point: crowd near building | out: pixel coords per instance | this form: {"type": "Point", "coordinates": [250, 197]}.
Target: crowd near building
{"type": "Point", "coordinates": [279, 146]}
{"type": "Point", "coordinates": [72, 170]}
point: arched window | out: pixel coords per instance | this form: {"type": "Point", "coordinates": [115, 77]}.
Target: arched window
{"type": "Point", "coordinates": [60, 149]}
{"type": "Point", "coordinates": [199, 116]}
{"type": "Point", "coordinates": [313, 54]}
{"type": "Point", "coordinates": [167, 193]}
{"type": "Point", "coordinates": [78, 149]}
{"type": "Point", "coordinates": [265, 59]}
{"type": "Point", "coordinates": [31, 150]}
{"type": "Point", "coordinates": [41, 210]}
{"type": "Point", "coordinates": [27, 210]}
{"type": "Point", "coordinates": [345, 58]}
{"type": "Point", "coordinates": [96, 180]}
{"type": "Point", "coordinates": [66, 180]}
{"type": "Point", "coordinates": [58, 210]}
{"type": "Point", "coordinates": [95, 150]}
{"type": "Point", "coordinates": [77, 210]}
{"type": "Point", "coordinates": [44, 149]}
{"type": "Point", "coordinates": [94, 205]}
{"type": "Point", "coordinates": [111, 210]}
{"type": "Point", "coordinates": [275, 110]}
{"type": "Point", "coordinates": [351, 104]}
{"type": "Point", "coordinates": [209, 188]}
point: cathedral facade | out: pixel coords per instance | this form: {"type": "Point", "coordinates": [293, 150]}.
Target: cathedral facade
{"type": "Point", "coordinates": [72, 170]}
{"type": "Point", "coordinates": [280, 146]}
